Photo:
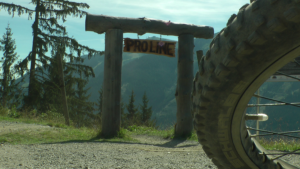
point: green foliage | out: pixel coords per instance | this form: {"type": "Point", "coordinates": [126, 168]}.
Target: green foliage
{"type": "Point", "coordinates": [132, 110]}
{"type": "Point", "coordinates": [9, 90]}
{"type": "Point", "coordinates": [100, 103]}
{"type": "Point", "coordinates": [132, 117]}
{"type": "Point", "coordinates": [49, 33]}
{"type": "Point", "coordinates": [13, 113]}
{"type": "Point", "coordinates": [146, 113]}
{"type": "Point", "coordinates": [281, 144]}
{"type": "Point", "coordinates": [132, 128]}
{"type": "Point", "coordinates": [121, 133]}
{"type": "Point", "coordinates": [124, 122]}
{"type": "Point", "coordinates": [3, 111]}
{"type": "Point", "coordinates": [80, 108]}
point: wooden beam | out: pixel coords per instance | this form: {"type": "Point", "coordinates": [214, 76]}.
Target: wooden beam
{"type": "Point", "coordinates": [111, 110]}
{"type": "Point", "coordinates": [102, 23]}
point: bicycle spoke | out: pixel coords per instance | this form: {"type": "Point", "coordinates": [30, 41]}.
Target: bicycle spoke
{"type": "Point", "coordinates": [297, 62]}
{"type": "Point", "coordinates": [288, 76]}
{"type": "Point", "coordinates": [274, 133]}
{"type": "Point", "coordinates": [272, 104]}
{"type": "Point", "coordinates": [255, 95]}
{"type": "Point", "coordinates": [283, 154]}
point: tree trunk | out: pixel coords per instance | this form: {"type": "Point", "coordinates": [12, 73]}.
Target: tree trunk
{"type": "Point", "coordinates": [184, 125]}
{"type": "Point", "coordinates": [111, 116]}
{"type": "Point", "coordinates": [62, 86]}
{"type": "Point", "coordinates": [102, 23]}
{"type": "Point", "coordinates": [5, 92]}
{"type": "Point", "coordinates": [31, 87]}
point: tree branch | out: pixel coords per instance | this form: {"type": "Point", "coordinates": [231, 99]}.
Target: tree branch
{"type": "Point", "coordinates": [12, 8]}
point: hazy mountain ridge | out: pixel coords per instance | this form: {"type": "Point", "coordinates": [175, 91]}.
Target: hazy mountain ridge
{"type": "Point", "coordinates": [157, 75]}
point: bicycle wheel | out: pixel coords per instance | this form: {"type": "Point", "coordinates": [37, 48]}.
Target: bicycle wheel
{"type": "Point", "coordinates": [259, 40]}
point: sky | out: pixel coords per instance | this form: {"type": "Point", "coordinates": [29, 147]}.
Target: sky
{"type": "Point", "coordinates": [214, 13]}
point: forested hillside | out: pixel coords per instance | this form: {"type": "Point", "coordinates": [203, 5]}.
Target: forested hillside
{"type": "Point", "coordinates": [157, 75]}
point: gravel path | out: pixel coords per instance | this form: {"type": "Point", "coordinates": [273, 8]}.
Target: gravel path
{"type": "Point", "coordinates": [151, 153]}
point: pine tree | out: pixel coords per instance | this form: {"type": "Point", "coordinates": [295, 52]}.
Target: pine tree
{"type": "Point", "coordinates": [47, 33]}
{"type": "Point", "coordinates": [9, 90]}
{"type": "Point", "coordinates": [54, 85]}
{"type": "Point", "coordinates": [100, 102]}
{"type": "Point", "coordinates": [132, 115]}
{"type": "Point", "coordinates": [53, 96]}
{"type": "Point", "coordinates": [81, 110]}
{"type": "Point", "coordinates": [123, 115]}
{"type": "Point", "coordinates": [146, 112]}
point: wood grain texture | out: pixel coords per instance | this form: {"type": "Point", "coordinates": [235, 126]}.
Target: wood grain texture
{"type": "Point", "coordinates": [184, 125]}
{"type": "Point", "coordinates": [102, 23]}
{"type": "Point", "coordinates": [111, 110]}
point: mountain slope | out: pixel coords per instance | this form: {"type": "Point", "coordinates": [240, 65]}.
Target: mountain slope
{"type": "Point", "coordinates": [156, 75]}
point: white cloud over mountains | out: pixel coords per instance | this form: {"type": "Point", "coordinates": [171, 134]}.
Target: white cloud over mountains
{"type": "Point", "coordinates": [213, 13]}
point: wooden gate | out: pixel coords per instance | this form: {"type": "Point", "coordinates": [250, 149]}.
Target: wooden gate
{"type": "Point", "coordinates": [114, 28]}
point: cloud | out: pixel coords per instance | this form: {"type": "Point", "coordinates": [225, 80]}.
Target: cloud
{"type": "Point", "coordinates": [213, 13]}
{"type": "Point", "coordinates": [181, 11]}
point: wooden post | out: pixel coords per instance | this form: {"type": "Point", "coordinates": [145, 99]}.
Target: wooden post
{"type": "Point", "coordinates": [184, 125]}
{"type": "Point", "coordinates": [111, 110]}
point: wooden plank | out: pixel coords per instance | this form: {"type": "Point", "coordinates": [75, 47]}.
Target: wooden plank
{"type": "Point", "coordinates": [111, 110]}
{"type": "Point", "coordinates": [102, 23]}
{"type": "Point", "coordinates": [166, 48]}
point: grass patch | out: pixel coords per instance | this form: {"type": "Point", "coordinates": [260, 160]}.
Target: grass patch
{"type": "Point", "coordinates": [63, 133]}
{"type": "Point", "coordinates": [122, 135]}
{"type": "Point", "coordinates": [166, 134]}
{"type": "Point", "coordinates": [59, 133]}
{"type": "Point", "coordinates": [54, 135]}
{"type": "Point", "coordinates": [48, 135]}
{"type": "Point", "coordinates": [280, 144]}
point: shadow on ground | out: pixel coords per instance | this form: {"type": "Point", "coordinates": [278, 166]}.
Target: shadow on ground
{"type": "Point", "coordinates": [171, 143]}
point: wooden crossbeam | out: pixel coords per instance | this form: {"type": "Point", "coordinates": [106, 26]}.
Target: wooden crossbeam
{"type": "Point", "coordinates": [102, 23]}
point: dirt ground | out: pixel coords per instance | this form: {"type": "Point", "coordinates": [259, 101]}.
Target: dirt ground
{"type": "Point", "coordinates": [152, 152]}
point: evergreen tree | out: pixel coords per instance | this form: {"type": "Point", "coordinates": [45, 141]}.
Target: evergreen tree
{"type": "Point", "coordinates": [9, 90]}
{"type": "Point", "coordinates": [47, 33]}
{"type": "Point", "coordinates": [81, 110]}
{"type": "Point", "coordinates": [54, 93]}
{"type": "Point", "coordinates": [99, 106]}
{"type": "Point", "coordinates": [132, 115]}
{"type": "Point", "coordinates": [123, 115]}
{"type": "Point", "coordinates": [52, 90]}
{"type": "Point", "coordinates": [146, 113]}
